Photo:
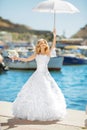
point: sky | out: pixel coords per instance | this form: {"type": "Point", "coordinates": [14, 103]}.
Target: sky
{"type": "Point", "coordinates": [20, 11]}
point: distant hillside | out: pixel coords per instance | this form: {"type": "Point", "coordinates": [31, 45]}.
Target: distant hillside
{"type": "Point", "coordinates": [82, 33]}
{"type": "Point", "coordinates": [6, 25]}
{"type": "Point", "coordinates": [18, 30]}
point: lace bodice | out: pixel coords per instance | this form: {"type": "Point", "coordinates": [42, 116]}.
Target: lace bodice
{"type": "Point", "coordinates": [42, 62]}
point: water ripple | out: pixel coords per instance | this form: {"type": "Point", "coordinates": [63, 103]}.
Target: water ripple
{"type": "Point", "coordinates": [71, 79]}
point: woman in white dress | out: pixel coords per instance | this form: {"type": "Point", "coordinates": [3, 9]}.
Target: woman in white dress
{"type": "Point", "coordinates": [40, 98]}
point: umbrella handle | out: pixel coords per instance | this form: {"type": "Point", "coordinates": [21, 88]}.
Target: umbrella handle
{"type": "Point", "coordinates": [54, 19]}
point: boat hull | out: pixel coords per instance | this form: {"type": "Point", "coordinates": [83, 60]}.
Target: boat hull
{"type": "Point", "coordinates": [54, 64]}
{"type": "Point", "coordinates": [73, 60]}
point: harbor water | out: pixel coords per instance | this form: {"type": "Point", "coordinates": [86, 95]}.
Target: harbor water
{"type": "Point", "coordinates": [71, 79]}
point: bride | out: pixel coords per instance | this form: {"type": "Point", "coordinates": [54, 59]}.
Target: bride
{"type": "Point", "coordinates": [40, 98]}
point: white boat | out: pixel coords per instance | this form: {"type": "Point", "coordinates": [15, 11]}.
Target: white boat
{"type": "Point", "coordinates": [55, 63]}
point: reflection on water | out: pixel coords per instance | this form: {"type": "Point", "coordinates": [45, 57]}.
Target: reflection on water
{"type": "Point", "coordinates": [71, 79]}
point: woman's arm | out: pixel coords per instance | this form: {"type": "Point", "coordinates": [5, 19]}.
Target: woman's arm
{"type": "Point", "coordinates": [30, 58]}
{"type": "Point", "coordinates": [54, 40]}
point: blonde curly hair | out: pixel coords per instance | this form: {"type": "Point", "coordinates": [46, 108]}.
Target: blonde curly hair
{"type": "Point", "coordinates": [38, 46]}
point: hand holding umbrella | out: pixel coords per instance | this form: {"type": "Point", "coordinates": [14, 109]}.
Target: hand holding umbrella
{"type": "Point", "coordinates": [54, 32]}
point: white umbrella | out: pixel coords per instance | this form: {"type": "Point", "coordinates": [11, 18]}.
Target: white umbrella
{"type": "Point", "coordinates": [56, 6]}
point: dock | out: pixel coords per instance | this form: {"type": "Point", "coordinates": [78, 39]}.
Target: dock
{"type": "Point", "coordinates": [74, 120]}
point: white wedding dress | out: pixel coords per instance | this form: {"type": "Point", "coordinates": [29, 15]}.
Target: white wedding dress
{"type": "Point", "coordinates": [40, 98]}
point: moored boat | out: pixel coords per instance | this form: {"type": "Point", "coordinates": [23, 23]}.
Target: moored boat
{"type": "Point", "coordinates": [3, 67]}
{"type": "Point", "coordinates": [73, 55]}
{"type": "Point", "coordinates": [69, 60]}
{"type": "Point", "coordinates": [54, 64]}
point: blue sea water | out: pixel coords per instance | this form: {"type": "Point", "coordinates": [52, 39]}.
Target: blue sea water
{"type": "Point", "coordinates": [71, 79]}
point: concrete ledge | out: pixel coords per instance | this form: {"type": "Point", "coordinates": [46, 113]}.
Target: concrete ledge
{"type": "Point", "coordinates": [74, 120]}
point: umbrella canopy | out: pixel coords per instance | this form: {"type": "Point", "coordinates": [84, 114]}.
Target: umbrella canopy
{"type": "Point", "coordinates": [56, 6]}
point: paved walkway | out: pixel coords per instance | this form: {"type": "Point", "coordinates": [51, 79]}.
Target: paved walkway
{"type": "Point", "coordinates": [75, 120]}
